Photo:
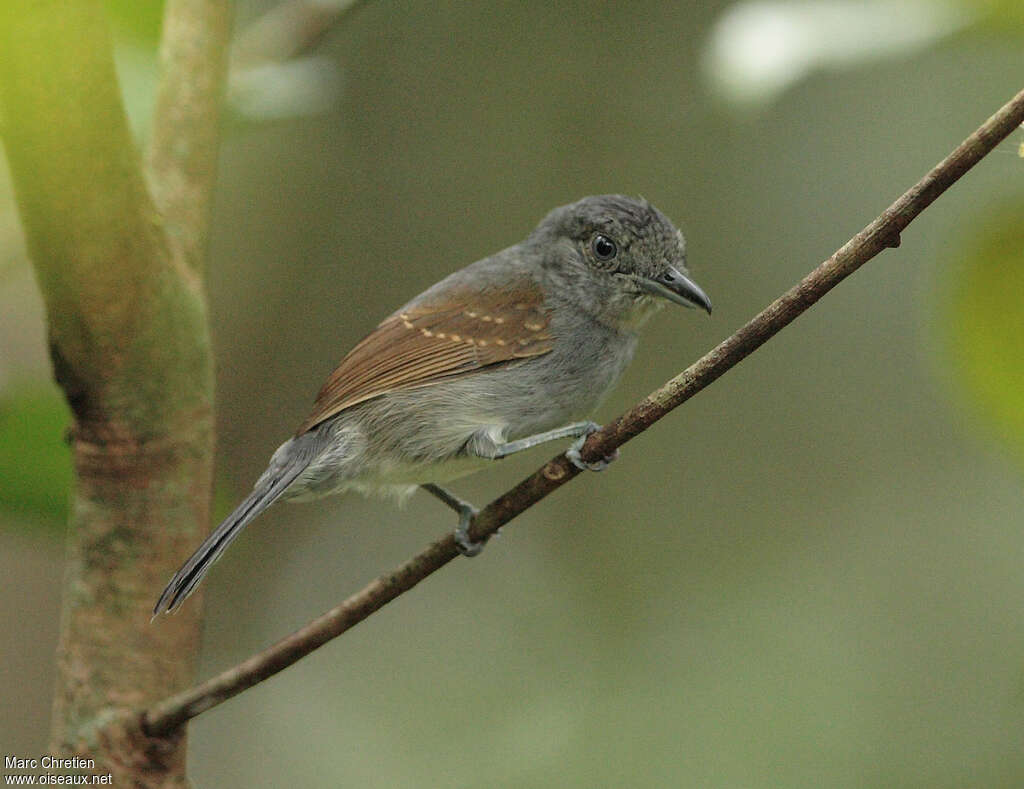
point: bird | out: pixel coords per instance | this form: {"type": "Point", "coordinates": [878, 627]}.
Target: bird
{"type": "Point", "coordinates": [512, 351]}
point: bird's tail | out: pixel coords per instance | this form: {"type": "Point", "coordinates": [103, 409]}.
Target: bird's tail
{"type": "Point", "coordinates": [287, 464]}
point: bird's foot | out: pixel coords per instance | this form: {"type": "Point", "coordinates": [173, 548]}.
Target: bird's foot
{"type": "Point", "coordinates": [466, 546]}
{"type": "Point", "coordinates": [573, 452]}
{"type": "Point", "coordinates": [466, 512]}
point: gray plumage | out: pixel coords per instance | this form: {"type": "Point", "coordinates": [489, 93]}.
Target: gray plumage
{"type": "Point", "coordinates": [542, 331]}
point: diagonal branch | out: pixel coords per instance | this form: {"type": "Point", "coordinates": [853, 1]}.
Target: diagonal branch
{"type": "Point", "coordinates": [883, 232]}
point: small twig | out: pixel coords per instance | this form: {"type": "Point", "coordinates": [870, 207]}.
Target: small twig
{"type": "Point", "coordinates": [882, 233]}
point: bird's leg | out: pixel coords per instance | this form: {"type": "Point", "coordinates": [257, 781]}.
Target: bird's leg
{"type": "Point", "coordinates": [507, 448]}
{"type": "Point", "coordinates": [466, 514]}
{"type": "Point", "coordinates": [483, 445]}
{"type": "Point", "coordinates": [578, 430]}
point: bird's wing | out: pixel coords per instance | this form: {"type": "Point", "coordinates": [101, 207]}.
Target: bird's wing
{"type": "Point", "coordinates": [437, 337]}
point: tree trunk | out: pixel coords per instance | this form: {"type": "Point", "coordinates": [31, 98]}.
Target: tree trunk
{"type": "Point", "coordinates": [130, 348]}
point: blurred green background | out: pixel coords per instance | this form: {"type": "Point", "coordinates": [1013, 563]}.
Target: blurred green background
{"type": "Point", "coordinates": [810, 575]}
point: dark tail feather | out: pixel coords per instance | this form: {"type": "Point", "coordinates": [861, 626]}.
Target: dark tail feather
{"type": "Point", "coordinates": [266, 492]}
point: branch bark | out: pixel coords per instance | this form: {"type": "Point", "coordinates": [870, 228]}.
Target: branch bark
{"type": "Point", "coordinates": [182, 158]}
{"type": "Point", "coordinates": [131, 350]}
{"type": "Point", "coordinates": [168, 716]}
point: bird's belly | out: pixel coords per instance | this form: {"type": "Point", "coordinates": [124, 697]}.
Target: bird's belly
{"type": "Point", "coordinates": [398, 480]}
{"type": "Point", "coordinates": [414, 473]}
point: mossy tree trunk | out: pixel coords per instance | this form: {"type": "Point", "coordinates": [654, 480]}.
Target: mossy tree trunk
{"type": "Point", "coordinates": [130, 347]}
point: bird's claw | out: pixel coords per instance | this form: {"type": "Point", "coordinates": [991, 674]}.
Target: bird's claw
{"type": "Point", "coordinates": [573, 452]}
{"type": "Point", "coordinates": [466, 546]}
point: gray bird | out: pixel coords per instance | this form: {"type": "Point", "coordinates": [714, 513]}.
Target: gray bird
{"type": "Point", "coordinates": [507, 353]}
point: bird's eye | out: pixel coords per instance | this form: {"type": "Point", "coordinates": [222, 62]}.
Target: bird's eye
{"type": "Point", "coordinates": [604, 248]}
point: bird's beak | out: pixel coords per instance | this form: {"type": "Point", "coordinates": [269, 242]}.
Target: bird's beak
{"type": "Point", "coordinates": [675, 286]}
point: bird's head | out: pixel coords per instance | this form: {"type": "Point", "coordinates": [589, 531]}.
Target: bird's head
{"type": "Point", "coordinates": [617, 257]}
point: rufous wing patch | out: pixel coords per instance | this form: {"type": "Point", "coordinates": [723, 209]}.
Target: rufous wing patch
{"type": "Point", "coordinates": [436, 338]}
